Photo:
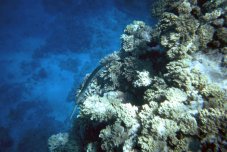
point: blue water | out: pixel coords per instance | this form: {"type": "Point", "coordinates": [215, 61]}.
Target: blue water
{"type": "Point", "coordinates": [46, 48]}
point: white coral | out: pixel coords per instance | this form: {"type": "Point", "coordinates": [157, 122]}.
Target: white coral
{"type": "Point", "coordinates": [175, 95]}
{"type": "Point", "coordinates": [213, 15]}
{"type": "Point", "coordinates": [164, 127]}
{"type": "Point", "coordinates": [98, 108]}
{"type": "Point", "coordinates": [128, 42]}
{"type": "Point", "coordinates": [143, 80]}
{"type": "Point", "coordinates": [172, 109]}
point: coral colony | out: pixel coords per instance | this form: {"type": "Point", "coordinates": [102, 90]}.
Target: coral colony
{"type": "Point", "coordinates": [165, 90]}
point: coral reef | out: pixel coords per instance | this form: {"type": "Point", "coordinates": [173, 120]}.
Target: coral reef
{"type": "Point", "coordinates": [57, 141]}
{"type": "Point", "coordinates": [164, 90]}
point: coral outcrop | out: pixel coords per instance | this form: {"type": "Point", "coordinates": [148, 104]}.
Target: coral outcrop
{"type": "Point", "coordinates": [164, 90]}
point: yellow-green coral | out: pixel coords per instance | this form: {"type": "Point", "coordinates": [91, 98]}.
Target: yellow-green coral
{"type": "Point", "coordinates": [214, 96]}
{"type": "Point", "coordinates": [213, 121]}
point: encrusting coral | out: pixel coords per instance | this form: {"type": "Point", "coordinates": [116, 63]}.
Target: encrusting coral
{"type": "Point", "coordinates": [164, 90]}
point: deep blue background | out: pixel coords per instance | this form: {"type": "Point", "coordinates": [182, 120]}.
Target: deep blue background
{"type": "Point", "coordinates": [46, 48]}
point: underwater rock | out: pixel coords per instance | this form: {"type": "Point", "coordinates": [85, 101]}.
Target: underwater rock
{"type": "Point", "coordinates": [164, 90]}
